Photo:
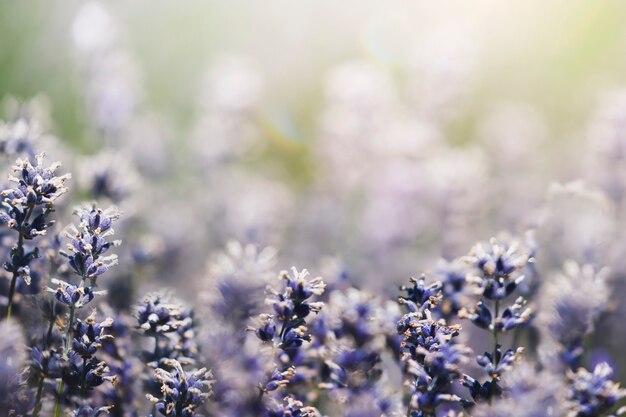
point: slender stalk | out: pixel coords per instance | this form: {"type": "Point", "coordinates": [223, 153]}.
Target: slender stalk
{"type": "Point", "coordinates": [68, 338]}
{"type": "Point", "coordinates": [57, 405]}
{"type": "Point", "coordinates": [495, 332]}
{"type": "Point", "coordinates": [20, 251]}
{"type": "Point", "coordinates": [68, 335]}
{"type": "Point", "coordinates": [42, 377]}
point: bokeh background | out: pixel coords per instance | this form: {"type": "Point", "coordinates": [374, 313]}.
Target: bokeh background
{"type": "Point", "coordinates": [361, 139]}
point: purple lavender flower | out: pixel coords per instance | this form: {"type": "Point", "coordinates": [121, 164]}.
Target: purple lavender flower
{"type": "Point", "coordinates": [573, 300]}
{"type": "Point", "coordinates": [593, 393]}
{"type": "Point", "coordinates": [89, 335]}
{"type": "Point", "coordinates": [421, 296]}
{"type": "Point", "coordinates": [292, 408]}
{"type": "Point", "coordinates": [183, 392]}
{"type": "Point", "coordinates": [157, 316]}
{"type": "Point", "coordinates": [499, 267]}
{"type": "Point", "coordinates": [89, 244]}
{"type": "Point", "coordinates": [88, 411]}
{"type": "Point", "coordinates": [529, 393]}
{"type": "Point", "coordinates": [34, 195]}
{"type": "Point", "coordinates": [73, 295]}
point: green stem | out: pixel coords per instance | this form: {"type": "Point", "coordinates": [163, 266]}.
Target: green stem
{"type": "Point", "coordinates": [57, 405]}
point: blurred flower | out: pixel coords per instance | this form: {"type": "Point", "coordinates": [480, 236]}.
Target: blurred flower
{"type": "Point", "coordinates": [573, 300]}
{"type": "Point", "coordinates": [592, 394]}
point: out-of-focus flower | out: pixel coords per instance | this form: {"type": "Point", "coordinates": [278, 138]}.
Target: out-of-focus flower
{"type": "Point", "coordinates": [572, 300]}
{"type": "Point", "coordinates": [528, 393]}
{"type": "Point", "coordinates": [291, 408]}
{"type": "Point", "coordinates": [593, 393]}
{"type": "Point", "coordinates": [581, 219]}
{"type": "Point", "coordinates": [12, 351]}
{"type": "Point", "coordinates": [108, 175]}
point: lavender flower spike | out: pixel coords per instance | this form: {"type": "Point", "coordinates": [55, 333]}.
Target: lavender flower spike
{"type": "Point", "coordinates": [182, 392]}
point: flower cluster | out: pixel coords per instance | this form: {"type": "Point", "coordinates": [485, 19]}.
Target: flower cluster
{"type": "Point", "coordinates": [27, 209]}
{"type": "Point", "coordinates": [88, 243]}
{"type": "Point", "coordinates": [495, 275]}
{"type": "Point", "coordinates": [432, 358]}
{"type": "Point", "coordinates": [182, 391]}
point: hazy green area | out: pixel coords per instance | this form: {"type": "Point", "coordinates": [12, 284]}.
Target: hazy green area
{"type": "Point", "coordinates": [554, 54]}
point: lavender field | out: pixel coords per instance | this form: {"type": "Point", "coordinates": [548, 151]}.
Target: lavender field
{"type": "Point", "coordinates": [312, 208]}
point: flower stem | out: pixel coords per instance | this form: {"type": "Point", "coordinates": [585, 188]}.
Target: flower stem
{"type": "Point", "coordinates": [495, 332]}
{"type": "Point", "coordinates": [57, 405]}
{"type": "Point", "coordinates": [68, 335]}
{"type": "Point", "coordinates": [42, 377]}
{"type": "Point", "coordinates": [20, 252]}
{"type": "Point", "coordinates": [68, 338]}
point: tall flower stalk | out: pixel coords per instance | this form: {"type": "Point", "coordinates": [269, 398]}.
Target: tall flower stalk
{"type": "Point", "coordinates": [27, 209]}
{"type": "Point", "coordinates": [86, 258]}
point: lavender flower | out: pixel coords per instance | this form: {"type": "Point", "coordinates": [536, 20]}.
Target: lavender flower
{"type": "Point", "coordinates": [89, 335]}
{"type": "Point", "coordinates": [420, 296]}
{"type": "Point", "coordinates": [183, 392]}
{"type": "Point", "coordinates": [89, 243]}
{"type": "Point", "coordinates": [499, 266]}
{"type": "Point", "coordinates": [573, 300]}
{"type": "Point", "coordinates": [529, 393]}
{"type": "Point", "coordinates": [292, 408]}
{"type": "Point", "coordinates": [73, 295]}
{"type": "Point", "coordinates": [291, 306]}
{"type": "Point", "coordinates": [34, 195]}
{"type": "Point", "coordinates": [593, 393]}
{"type": "Point", "coordinates": [88, 411]}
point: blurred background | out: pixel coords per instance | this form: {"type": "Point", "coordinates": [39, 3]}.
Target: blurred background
{"type": "Point", "coordinates": [360, 139]}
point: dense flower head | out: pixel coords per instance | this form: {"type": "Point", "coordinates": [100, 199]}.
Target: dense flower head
{"type": "Point", "coordinates": [297, 289]}
{"type": "Point", "coordinates": [182, 391]}
{"type": "Point", "coordinates": [423, 335]}
{"type": "Point", "coordinates": [156, 315]}
{"type": "Point", "coordinates": [88, 335]}
{"type": "Point", "coordinates": [292, 306]}
{"type": "Point", "coordinates": [593, 393]}
{"type": "Point", "coordinates": [73, 295]}
{"type": "Point", "coordinates": [88, 242]}
{"type": "Point", "coordinates": [84, 374]}
{"type": "Point", "coordinates": [499, 266]}
{"type": "Point", "coordinates": [36, 184]}
{"type": "Point", "coordinates": [433, 377]}
{"type": "Point", "coordinates": [421, 296]}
